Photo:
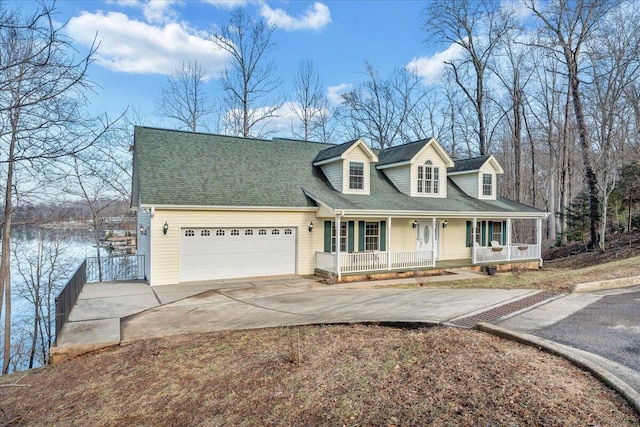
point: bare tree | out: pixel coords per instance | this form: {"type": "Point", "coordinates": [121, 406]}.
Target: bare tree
{"type": "Point", "coordinates": [380, 108]}
{"type": "Point", "coordinates": [250, 80]}
{"type": "Point", "coordinates": [183, 97]}
{"type": "Point", "coordinates": [567, 26]}
{"type": "Point", "coordinates": [513, 72]}
{"type": "Point", "coordinates": [42, 275]}
{"type": "Point", "coordinates": [428, 118]}
{"type": "Point", "coordinates": [614, 67]}
{"type": "Point", "coordinates": [477, 27]}
{"type": "Point", "coordinates": [310, 103]}
{"type": "Point", "coordinates": [41, 92]}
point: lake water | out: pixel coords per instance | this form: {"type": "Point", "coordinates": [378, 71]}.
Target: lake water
{"type": "Point", "coordinates": [73, 246]}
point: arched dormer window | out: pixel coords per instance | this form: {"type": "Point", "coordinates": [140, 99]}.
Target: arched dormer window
{"type": "Point", "coordinates": [428, 178]}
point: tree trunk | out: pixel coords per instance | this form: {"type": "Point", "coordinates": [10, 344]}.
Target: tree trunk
{"type": "Point", "coordinates": [564, 175]}
{"type": "Point", "coordinates": [592, 182]}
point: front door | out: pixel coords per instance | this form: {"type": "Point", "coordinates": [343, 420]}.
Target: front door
{"type": "Point", "coordinates": [426, 239]}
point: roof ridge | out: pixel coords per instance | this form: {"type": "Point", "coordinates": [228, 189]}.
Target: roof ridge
{"type": "Point", "coordinates": [245, 138]}
{"type": "Point", "coordinates": [408, 143]}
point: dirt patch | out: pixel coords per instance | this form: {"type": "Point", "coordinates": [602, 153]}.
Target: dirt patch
{"type": "Point", "coordinates": [315, 375]}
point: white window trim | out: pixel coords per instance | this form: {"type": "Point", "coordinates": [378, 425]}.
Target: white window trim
{"type": "Point", "coordinates": [482, 185]}
{"type": "Point", "coordinates": [377, 236]}
{"type": "Point", "coordinates": [362, 165]}
{"type": "Point", "coordinates": [343, 237]}
{"type": "Point", "coordinates": [428, 186]}
{"type": "Point", "coordinates": [493, 231]}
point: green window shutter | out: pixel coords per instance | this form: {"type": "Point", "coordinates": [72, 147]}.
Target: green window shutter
{"type": "Point", "coordinates": [350, 236]}
{"type": "Point", "coordinates": [327, 236]}
{"type": "Point", "coordinates": [360, 235]}
{"type": "Point", "coordinates": [504, 233]}
{"type": "Point", "coordinates": [483, 234]}
{"type": "Point", "coordinates": [490, 234]}
{"type": "Point", "coordinates": [469, 235]}
{"type": "Point", "coordinates": [383, 235]}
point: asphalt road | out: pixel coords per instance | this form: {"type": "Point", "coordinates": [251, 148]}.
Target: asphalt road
{"type": "Point", "coordinates": [609, 327]}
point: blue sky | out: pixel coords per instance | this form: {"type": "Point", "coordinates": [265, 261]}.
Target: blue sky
{"type": "Point", "coordinates": [143, 41]}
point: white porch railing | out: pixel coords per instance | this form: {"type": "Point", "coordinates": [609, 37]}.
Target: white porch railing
{"type": "Point", "coordinates": [374, 261]}
{"type": "Point", "coordinates": [514, 252]}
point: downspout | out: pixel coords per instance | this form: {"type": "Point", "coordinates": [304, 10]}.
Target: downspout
{"type": "Point", "coordinates": [338, 267]}
{"type": "Point", "coordinates": [539, 239]}
{"type": "Point", "coordinates": [152, 214]}
{"type": "Point", "coordinates": [389, 243]}
{"type": "Point", "coordinates": [433, 241]}
{"type": "Point", "coordinates": [473, 241]}
{"type": "Point", "coordinates": [508, 239]}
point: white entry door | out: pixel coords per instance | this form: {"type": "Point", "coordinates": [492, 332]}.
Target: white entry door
{"type": "Point", "coordinates": [225, 253]}
{"type": "Point", "coordinates": [426, 239]}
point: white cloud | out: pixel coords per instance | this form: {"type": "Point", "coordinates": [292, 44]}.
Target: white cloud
{"type": "Point", "coordinates": [158, 11]}
{"type": "Point", "coordinates": [133, 46]}
{"type": "Point", "coordinates": [334, 93]}
{"type": "Point", "coordinates": [230, 4]}
{"type": "Point", "coordinates": [155, 11]}
{"type": "Point", "coordinates": [430, 68]}
{"type": "Point", "coordinates": [316, 17]}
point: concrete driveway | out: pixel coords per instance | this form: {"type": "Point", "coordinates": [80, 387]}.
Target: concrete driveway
{"type": "Point", "coordinates": [277, 306]}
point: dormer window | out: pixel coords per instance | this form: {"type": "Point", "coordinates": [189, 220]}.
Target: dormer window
{"type": "Point", "coordinates": [428, 178]}
{"type": "Point", "coordinates": [487, 184]}
{"type": "Point", "coordinates": [356, 176]}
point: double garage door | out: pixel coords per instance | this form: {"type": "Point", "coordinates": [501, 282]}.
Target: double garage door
{"type": "Point", "coordinates": [226, 253]}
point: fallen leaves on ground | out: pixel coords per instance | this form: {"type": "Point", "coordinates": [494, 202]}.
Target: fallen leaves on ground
{"type": "Point", "coordinates": [315, 375]}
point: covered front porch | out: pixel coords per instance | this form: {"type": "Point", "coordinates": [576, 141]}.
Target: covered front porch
{"type": "Point", "coordinates": [396, 244]}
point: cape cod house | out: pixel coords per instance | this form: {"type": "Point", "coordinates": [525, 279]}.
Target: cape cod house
{"type": "Point", "coordinates": [214, 207]}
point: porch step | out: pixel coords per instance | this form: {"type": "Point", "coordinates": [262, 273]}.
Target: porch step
{"type": "Point", "coordinates": [503, 310]}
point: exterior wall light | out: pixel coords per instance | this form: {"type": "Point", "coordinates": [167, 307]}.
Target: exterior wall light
{"type": "Point", "coordinates": [310, 226]}
{"type": "Point", "coordinates": [414, 224]}
{"type": "Point", "coordinates": [143, 230]}
{"type": "Point", "coordinates": [165, 228]}
{"type": "Point", "coordinates": [445, 223]}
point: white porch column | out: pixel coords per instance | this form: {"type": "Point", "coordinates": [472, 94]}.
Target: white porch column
{"type": "Point", "coordinates": [508, 239]}
{"type": "Point", "coordinates": [473, 240]}
{"type": "Point", "coordinates": [389, 243]}
{"type": "Point", "coordinates": [338, 247]}
{"type": "Point", "coordinates": [434, 230]}
{"type": "Point", "coordinates": [539, 238]}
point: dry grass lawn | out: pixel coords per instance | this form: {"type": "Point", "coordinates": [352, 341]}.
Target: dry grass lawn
{"type": "Point", "coordinates": [315, 376]}
{"type": "Point", "coordinates": [556, 275]}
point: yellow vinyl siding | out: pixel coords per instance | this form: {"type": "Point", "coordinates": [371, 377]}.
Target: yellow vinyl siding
{"type": "Point", "coordinates": [403, 236]}
{"type": "Point", "coordinates": [487, 168]}
{"type": "Point", "coordinates": [453, 240]}
{"type": "Point", "coordinates": [165, 268]}
{"type": "Point", "coordinates": [429, 153]}
{"type": "Point", "coordinates": [356, 155]}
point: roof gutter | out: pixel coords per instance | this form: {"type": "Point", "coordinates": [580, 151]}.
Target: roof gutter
{"type": "Point", "coordinates": [230, 208]}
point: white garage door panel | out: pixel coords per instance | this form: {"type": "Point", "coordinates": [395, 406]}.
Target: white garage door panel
{"type": "Point", "coordinates": [225, 253]}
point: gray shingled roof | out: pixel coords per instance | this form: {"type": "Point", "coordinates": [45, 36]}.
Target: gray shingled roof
{"type": "Point", "coordinates": [384, 196]}
{"type": "Point", "coordinates": [333, 151]}
{"type": "Point", "coordinates": [194, 169]}
{"type": "Point", "coordinates": [472, 164]}
{"type": "Point", "coordinates": [400, 153]}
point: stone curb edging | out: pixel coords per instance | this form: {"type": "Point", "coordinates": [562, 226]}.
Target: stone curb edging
{"type": "Point", "coordinates": [606, 284]}
{"type": "Point", "coordinates": [606, 377]}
